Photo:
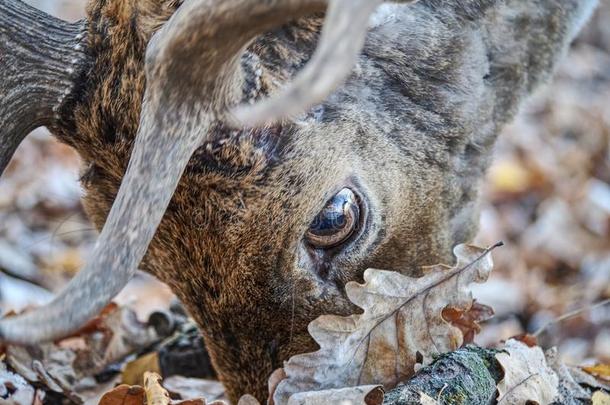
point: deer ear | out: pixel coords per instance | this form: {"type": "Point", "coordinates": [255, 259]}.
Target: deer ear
{"type": "Point", "coordinates": [525, 41]}
{"type": "Point", "coordinates": [466, 66]}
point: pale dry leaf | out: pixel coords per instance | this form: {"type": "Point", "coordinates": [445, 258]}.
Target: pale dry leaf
{"type": "Point", "coordinates": [363, 395]}
{"type": "Point", "coordinates": [248, 400]}
{"type": "Point", "coordinates": [14, 389]}
{"type": "Point", "coordinates": [190, 388]}
{"type": "Point", "coordinates": [427, 400]}
{"type": "Point", "coordinates": [600, 398]}
{"type": "Point", "coordinates": [155, 393]}
{"type": "Point", "coordinates": [381, 346]}
{"type": "Point", "coordinates": [527, 376]}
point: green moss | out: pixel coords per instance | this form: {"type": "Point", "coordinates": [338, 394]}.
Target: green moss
{"type": "Point", "coordinates": [467, 376]}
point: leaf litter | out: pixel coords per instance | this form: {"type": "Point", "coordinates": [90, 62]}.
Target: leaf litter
{"type": "Point", "coordinates": [547, 195]}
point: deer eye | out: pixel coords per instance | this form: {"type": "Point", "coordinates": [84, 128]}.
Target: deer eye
{"type": "Point", "coordinates": [336, 222]}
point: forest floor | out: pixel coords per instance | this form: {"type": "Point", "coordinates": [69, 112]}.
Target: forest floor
{"type": "Point", "coordinates": [547, 196]}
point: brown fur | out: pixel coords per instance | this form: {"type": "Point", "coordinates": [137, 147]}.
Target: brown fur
{"type": "Point", "coordinates": [411, 131]}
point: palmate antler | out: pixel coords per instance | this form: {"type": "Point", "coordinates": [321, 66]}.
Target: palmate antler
{"type": "Point", "coordinates": [40, 57]}
{"type": "Point", "coordinates": [194, 79]}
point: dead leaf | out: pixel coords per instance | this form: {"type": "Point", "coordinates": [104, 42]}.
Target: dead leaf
{"type": "Point", "coordinates": [527, 376]}
{"type": "Point", "coordinates": [67, 366]}
{"type": "Point", "coordinates": [276, 377]}
{"type": "Point", "coordinates": [124, 395]}
{"type": "Point", "coordinates": [190, 388]}
{"type": "Point", "coordinates": [14, 389]}
{"type": "Point", "coordinates": [248, 400]}
{"type": "Point", "coordinates": [467, 320]}
{"type": "Point", "coordinates": [365, 395]}
{"type": "Point", "coordinates": [427, 400]}
{"type": "Point", "coordinates": [155, 393]}
{"type": "Point", "coordinates": [380, 346]}
{"type": "Point", "coordinates": [600, 398]}
{"type": "Point", "coordinates": [527, 339]}
{"type": "Point", "coordinates": [601, 371]}
{"type": "Point", "coordinates": [133, 372]}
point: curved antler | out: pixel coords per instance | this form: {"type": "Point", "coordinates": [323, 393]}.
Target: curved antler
{"type": "Point", "coordinates": [194, 77]}
{"type": "Point", "coordinates": [40, 57]}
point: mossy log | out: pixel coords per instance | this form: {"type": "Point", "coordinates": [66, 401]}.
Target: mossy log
{"type": "Point", "coordinates": [467, 376]}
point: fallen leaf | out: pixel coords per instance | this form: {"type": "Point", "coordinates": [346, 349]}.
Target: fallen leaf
{"type": "Point", "coordinates": [124, 395]}
{"type": "Point", "coordinates": [133, 372]}
{"type": "Point", "coordinates": [67, 366]}
{"type": "Point", "coordinates": [427, 400]}
{"type": "Point", "coordinates": [570, 389]}
{"type": "Point", "coordinates": [527, 339]}
{"type": "Point", "coordinates": [600, 398]}
{"type": "Point", "coordinates": [248, 400]}
{"type": "Point", "coordinates": [467, 320]}
{"type": "Point", "coordinates": [366, 395]}
{"type": "Point", "coordinates": [380, 346]}
{"type": "Point", "coordinates": [155, 393]}
{"type": "Point", "coordinates": [274, 379]}
{"type": "Point", "coordinates": [527, 376]}
{"type": "Point", "coordinates": [601, 371]}
{"type": "Point", "coordinates": [191, 388]}
{"type": "Point", "coordinates": [14, 389]}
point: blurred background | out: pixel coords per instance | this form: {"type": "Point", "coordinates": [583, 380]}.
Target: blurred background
{"type": "Point", "coordinates": [547, 197]}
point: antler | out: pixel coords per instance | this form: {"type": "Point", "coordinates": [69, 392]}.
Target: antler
{"type": "Point", "coordinates": [39, 59]}
{"type": "Point", "coordinates": [194, 77]}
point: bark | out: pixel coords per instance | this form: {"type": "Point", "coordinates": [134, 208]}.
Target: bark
{"type": "Point", "coordinates": [466, 376]}
{"type": "Point", "coordinates": [469, 376]}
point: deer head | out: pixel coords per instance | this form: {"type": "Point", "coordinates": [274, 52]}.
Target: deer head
{"type": "Point", "coordinates": [255, 210]}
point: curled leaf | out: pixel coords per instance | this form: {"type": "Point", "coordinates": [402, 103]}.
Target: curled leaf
{"type": "Point", "coordinates": [155, 393]}
{"type": "Point", "coordinates": [402, 320]}
{"type": "Point", "coordinates": [601, 371]}
{"type": "Point", "coordinates": [124, 395]}
{"type": "Point", "coordinates": [468, 320]}
{"type": "Point", "coordinates": [527, 376]}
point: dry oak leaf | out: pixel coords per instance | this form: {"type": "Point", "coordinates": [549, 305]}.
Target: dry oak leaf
{"type": "Point", "coordinates": [601, 371]}
{"type": "Point", "coordinates": [362, 395]}
{"type": "Point", "coordinates": [402, 320]}
{"type": "Point", "coordinates": [600, 398]}
{"type": "Point", "coordinates": [527, 376]}
{"type": "Point", "coordinates": [124, 395]}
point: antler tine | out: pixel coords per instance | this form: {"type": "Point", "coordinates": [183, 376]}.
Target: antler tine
{"type": "Point", "coordinates": [193, 75]}
{"type": "Point", "coordinates": [342, 39]}
{"type": "Point", "coordinates": [40, 57]}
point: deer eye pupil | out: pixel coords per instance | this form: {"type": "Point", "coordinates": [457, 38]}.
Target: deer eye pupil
{"type": "Point", "coordinates": [336, 222]}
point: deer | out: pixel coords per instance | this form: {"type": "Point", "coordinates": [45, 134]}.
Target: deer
{"type": "Point", "coordinates": [258, 155]}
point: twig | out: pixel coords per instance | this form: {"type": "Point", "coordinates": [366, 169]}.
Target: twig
{"type": "Point", "coordinates": [569, 315]}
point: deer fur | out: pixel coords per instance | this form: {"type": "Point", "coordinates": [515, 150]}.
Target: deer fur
{"type": "Point", "coordinates": [412, 131]}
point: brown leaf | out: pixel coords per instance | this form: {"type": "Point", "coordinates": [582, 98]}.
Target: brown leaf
{"type": "Point", "coordinates": [97, 324]}
{"type": "Point", "coordinates": [124, 395]}
{"type": "Point", "coordinates": [467, 320]}
{"type": "Point", "coordinates": [133, 372]}
{"type": "Point", "coordinates": [380, 346]}
{"type": "Point", "coordinates": [66, 366]}
{"type": "Point", "coordinates": [274, 380]}
{"type": "Point", "coordinates": [601, 371]}
{"type": "Point", "coordinates": [527, 339]}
